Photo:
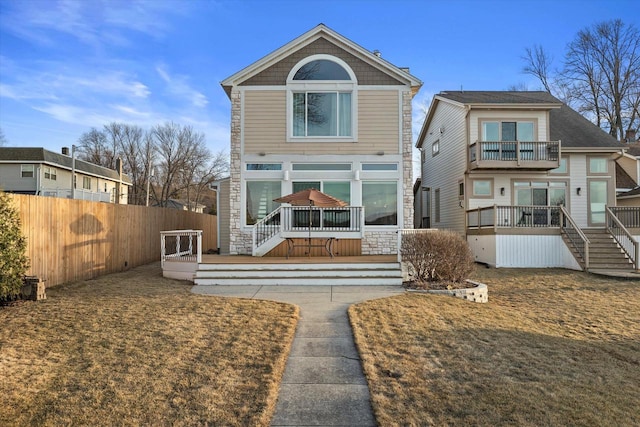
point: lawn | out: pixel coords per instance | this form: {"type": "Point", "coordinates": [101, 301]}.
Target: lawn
{"type": "Point", "coordinates": [552, 347]}
{"type": "Point", "coordinates": [136, 349]}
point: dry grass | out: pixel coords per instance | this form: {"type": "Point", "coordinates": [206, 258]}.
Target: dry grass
{"type": "Point", "coordinates": [552, 347]}
{"type": "Point", "coordinates": [137, 349]}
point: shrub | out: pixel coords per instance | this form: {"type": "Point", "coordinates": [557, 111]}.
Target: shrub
{"type": "Point", "coordinates": [437, 256]}
{"type": "Point", "coordinates": [13, 246]}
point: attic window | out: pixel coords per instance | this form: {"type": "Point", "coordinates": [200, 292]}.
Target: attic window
{"type": "Point", "coordinates": [321, 69]}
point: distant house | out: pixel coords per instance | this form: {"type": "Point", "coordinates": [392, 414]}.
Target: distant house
{"type": "Point", "coordinates": [183, 205]}
{"type": "Point", "coordinates": [320, 112]}
{"type": "Point", "coordinates": [42, 172]}
{"type": "Point", "coordinates": [527, 180]}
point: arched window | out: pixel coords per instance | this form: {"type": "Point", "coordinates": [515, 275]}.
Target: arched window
{"type": "Point", "coordinates": [321, 93]}
{"type": "Point", "coordinates": [321, 69]}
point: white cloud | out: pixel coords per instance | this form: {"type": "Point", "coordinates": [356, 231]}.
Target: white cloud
{"type": "Point", "coordinates": [177, 85]}
{"type": "Point", "coordinates": [91, 22]}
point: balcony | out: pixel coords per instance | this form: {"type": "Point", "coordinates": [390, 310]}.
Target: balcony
{"type": "Point", "coordinates": [531, 155]}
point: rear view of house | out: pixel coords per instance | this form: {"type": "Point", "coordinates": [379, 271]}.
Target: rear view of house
{"type": "Point", "coordinates": [528, 181]}
{"type": "Point", "coordinates": [320, 112]}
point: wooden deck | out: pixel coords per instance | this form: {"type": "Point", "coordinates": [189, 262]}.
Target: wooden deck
{"type": "Point", "coordinates": [247, 259]}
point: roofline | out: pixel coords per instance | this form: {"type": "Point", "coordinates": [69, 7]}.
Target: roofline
{"type": "Point", "coordinates": [61, 166]}
{"type": "Point", "coordinates": [592, 149]}
{"type": "Point", "coordinates": [307, 38]}
{"type": "Point", "coordinates": [430, 112]}
{"type": "Point", "coordinates": [515, 106]}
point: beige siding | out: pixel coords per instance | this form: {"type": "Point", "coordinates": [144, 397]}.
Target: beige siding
{"type": "Point", "coordinates": [378, 117]}
{"type": "Point", "coordinates": [265, 125]}
{"type": "Point", "coordinates": [445, 169]}
{"type": "Point", "coordinates": [264, 121]}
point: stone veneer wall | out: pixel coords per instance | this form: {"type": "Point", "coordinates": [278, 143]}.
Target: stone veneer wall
{"type": "Point", "coordinates": [386, 242]}
{"type": "Point", "coordinates": [407, 160]}
{"type": "Point", "coordinates": [239, 242]}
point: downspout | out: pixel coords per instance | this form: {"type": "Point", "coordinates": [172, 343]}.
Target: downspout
{"type": "Point", "coordinates": [39, 181]}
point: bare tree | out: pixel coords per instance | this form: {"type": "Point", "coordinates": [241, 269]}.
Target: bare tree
{"type": "Point", "coordinates": [93, 148]}
{"type": "Point", "coordinates": [136, 159]}
{"type": "Point", "coordinates": [600, 76]}
{"type": "Point", "coordinates": [3, 139]}
{"type": "Point", "coordinates": [537, 64]}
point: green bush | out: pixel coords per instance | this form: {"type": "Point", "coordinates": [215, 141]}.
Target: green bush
{"type": "Point", "coordinates": [13, 246]}
{"type": "Point", "coordinates": [437, 256]}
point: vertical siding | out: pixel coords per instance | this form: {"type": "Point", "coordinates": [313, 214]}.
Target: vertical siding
{"type": "Point", "coordinates": [533, 251]}
{"type": "Point", "coordinates": [69, 240]}
{"type": "Point", "coordinates": [445, 169]}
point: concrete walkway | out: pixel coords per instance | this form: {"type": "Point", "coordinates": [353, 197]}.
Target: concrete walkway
{"type": "Point", "coordinates": [323, 383]}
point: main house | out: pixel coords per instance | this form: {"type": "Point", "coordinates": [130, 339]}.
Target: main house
{"type": "Point", "coordinates": [41, 172]}
{"type": "Point", "coordinates": [320, 112]}
{"type": "Point", "coordinates": [527, 180]}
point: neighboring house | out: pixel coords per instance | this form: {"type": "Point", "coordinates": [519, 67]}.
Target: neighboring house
{"type": "Point", "coordinates": [183, 205]}
{"type": "Point", "coordinates": [45, 173]}
{"type": "Point", "coordinates": [320, 112]}
{"type": "Point", "coordinates": [420, 205]}
{"type": "Point", "coordinates": [497, 166]}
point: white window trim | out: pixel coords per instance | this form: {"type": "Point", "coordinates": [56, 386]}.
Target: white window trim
{"type": "Point", "coordinates": [322, 86]}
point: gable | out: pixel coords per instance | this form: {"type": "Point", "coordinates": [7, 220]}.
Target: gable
{"type": "Point", "coordinates": [276, 75]}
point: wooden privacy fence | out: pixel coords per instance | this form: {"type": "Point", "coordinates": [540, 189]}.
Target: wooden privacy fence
{"type": "Point", "coordinates": [70, 240]}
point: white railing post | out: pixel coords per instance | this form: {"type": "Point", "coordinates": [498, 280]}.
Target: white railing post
{"type": "Point", "coordinates": [163, 251]}
{"type": "Point", "coordinates": [199, 243]}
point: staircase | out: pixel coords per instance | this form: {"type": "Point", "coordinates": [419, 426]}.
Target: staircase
{"type": "Point", "coordinates": [604, 252]}
{"type": "Point", "coordinates": [334, 273]}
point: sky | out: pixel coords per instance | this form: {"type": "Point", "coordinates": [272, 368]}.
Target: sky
{"type": "Point", "coordinates": [69, 66]}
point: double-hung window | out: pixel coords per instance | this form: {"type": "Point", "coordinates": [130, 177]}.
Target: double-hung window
{"type": "Point", "coordinates": [321, 100]}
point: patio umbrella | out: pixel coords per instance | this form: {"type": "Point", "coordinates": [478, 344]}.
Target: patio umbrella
{"type": "Point", "coordinates": [311, 197]}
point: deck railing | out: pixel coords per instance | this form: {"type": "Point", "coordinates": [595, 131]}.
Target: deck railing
{"type": "Point", "coordinates": [305, 219]}
{"type": "Point", "coordinates": [515, 151]}
{"type": "Point", "coordinates": [575, 235]}
{"type": "Point", "coordinates": [622, 236]}
{"type": "Point", "coordinates": [80, 194]}
{"type": "Point", "coordinates": [514, 216]}
{"type": "Point", "coordinates": [181, 245]}
{"type": "Point", "coordinates": [629, 216]}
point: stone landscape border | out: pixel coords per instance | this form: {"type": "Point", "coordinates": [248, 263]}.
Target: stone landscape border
{"type": "Point", "coordinates": [478, 293]}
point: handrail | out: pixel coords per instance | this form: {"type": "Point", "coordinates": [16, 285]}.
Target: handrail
{"type": "Point", "coordinates": [529, 216]}
{"type": "Point", "coordinates": [184, 246]}
{"type": "Point", "coordinates": [296, 219]}
{"type": "Point", "coordinates": [629, 216]}
{"type": "Point", "coordinates": [570, 229]}
{"type": "Point", "coordinates": [515, 151]}
{"type": "Point", "coordinates": [623, 237]}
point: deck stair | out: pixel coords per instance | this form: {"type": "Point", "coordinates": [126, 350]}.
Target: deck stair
{"type": "Point", "coordinates": [604, 252]}
{"type": "Point", "coordinates": [330, 273]}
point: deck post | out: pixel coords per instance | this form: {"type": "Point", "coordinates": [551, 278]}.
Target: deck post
{"type": "Point", "coordinates": [199, 243]}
